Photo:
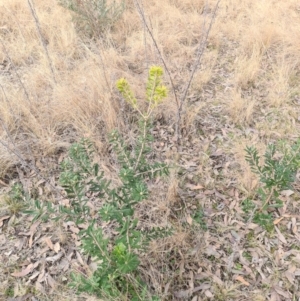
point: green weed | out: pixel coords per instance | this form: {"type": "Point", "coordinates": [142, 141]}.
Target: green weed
{"type": "Point", "coordinates": [276, 173]}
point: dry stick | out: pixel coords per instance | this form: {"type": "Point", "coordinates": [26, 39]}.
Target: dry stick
{"type": "Point", "coordinates": [145, 37]}
{"type": "Point", "coordinates": [37, 23]}
{"type": "Point", "coordinates": [157, 48]}
{"type": "Point", "coordinates": [15, 70]}
{"type": "Point", "coordinates": [200, 52]}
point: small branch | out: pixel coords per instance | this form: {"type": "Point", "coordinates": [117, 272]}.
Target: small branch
{"type": "Point", "coordinates": [149, 171]}
{"type": "Point", "coordinates": [145, 37]}
{"type": "Point", "coordinates": [37, 23]}
{"type": "Point", "coordinates": [200, 52]}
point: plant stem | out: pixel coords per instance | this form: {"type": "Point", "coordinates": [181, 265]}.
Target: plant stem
{"type": "Point", "coordinates": [143, 143]}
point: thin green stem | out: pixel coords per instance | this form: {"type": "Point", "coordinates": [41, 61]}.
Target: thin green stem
{"type": "Point", "coordinates": [143, 144]}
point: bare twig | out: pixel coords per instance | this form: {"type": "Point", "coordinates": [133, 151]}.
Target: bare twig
{"type": "Point", "coordinates": [37, 23]}
{"type": "Point", "coordinates": [15, 70]}
{"type": "Point", "coordinates": [145, 37]}
{"type": "Point", "coordinates": [142, 15]}
{"type": "Point", "coordinates": [200, 51]}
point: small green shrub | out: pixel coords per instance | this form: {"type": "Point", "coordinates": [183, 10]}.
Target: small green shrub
{"type": "Point", "coordinates": [277, 173]}
{"type": "Point", "coordinates": [116, 277]}
{"type": "Point", "coordinates": [95, 16]}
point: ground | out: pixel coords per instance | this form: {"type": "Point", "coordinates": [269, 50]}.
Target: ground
{"type": "Point", "coordinates": [57, 80]}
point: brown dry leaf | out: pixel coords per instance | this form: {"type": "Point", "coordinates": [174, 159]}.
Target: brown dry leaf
{"type": "Point", "coordinates": [203, 286]}
{"type": "Point", "coordinates": [189, 219]}
{"type": "Point", "coordinates": [51, 281]}
{"type": "Point", "coordinates": [32, 231]}
{"type": "Point", "coordinates": [56, 247]}
{"type": "Point", "coordinates": [24, 272]}
{"type": "Point", "coordinates": [290, 274]}
{"type": "Point", "coordinates": [3, 218]}
{"type": "Point", "coordinates": [287, 192]}
{"type": "Point", "coordinates": [275, 296]}
{"type": "Point", "coordinates": [194, 187]}
{"type": "Point", "coordinates": [294, 226]}
{"type": "Point", "coordinates": [3, 183]}
{"type": "Point", "coordinates": [74, 229]}
{"type": "Point", "coordinates": [278, 220]}
{"type": "Point", "coordinates": [34, 275]}
{"type": "Point", "coordinates": [41, 277]}
{"type": "Point", "coordinates": [167, 286]}
{"type": "Point", "coordinates": [83, 226]}
{"type": "Point", "coordinates": [55, 258]}
{"type": "Point", "coordinates": [40, 288]}
{"type": "Point", "coordinates": [65, 202]}
{"type": "Point", "coordinates": [181, 268]}
{"type": "Point", "coordinates": [49, 242]}
{"type": "Point", "coordinates": [182, 294]}
{"type": "Point", "coordinates": [2, 239]}
{"type": "Point", "coordinates": [217, 280]}
{"type": "Point", "coordinates": [211, 251]}
{"type": "Point", "coordinates": [64, 264]}
{"type": "Point", "coordinates": [79, 258]}
{"type": "Point", "coordinates": [208, 294]}
{"type": "Point", "coordinates": [281, 292]}
{"type": "Point", "coordinates": [191, 281]}
{"type": "Point", "coordinates": [242, 280]}
{"type": "Point", "coordinates": [280, 236]}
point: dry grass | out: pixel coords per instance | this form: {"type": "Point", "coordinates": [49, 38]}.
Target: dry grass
{"type": "Point", "coordinates": [246, 92]}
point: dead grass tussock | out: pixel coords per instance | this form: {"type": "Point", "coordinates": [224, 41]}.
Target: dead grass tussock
{"type": "Point", "coordinates": [281, 76]}
{"type": "Point", "coordinates": [206, 71]}
{"type": "Point", "coordinates": [278, 123]}
{"type": "Point", "coordinates": [247, 69]}
{"type": "Point", "coordinates": [241, 108]}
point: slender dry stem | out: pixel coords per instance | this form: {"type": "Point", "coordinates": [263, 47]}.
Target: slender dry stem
{"type": "Point", "coordinates": [200, 51]}
{"type": "Point", "coordinates": [38, 27]}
